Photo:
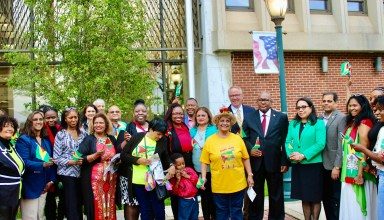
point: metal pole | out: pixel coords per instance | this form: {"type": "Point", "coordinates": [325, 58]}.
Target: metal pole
{"type": "Point", "coordinates": [280, 55]}
{"type": "Point", "coordinates": [190, 47]}
{"type": "Point", "coordinates": [32, 55]}
{"type": "Point", "coordinates": [163, 54]}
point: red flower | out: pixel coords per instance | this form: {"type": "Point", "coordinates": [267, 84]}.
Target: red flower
{"type": "Point", "coordinates": [224, 109]}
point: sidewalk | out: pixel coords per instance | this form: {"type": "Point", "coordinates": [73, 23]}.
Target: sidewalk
{"type": "Point", "coordinates": [293, 211]}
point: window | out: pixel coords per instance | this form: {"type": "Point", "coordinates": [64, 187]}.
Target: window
{"type": "Point", "coordinates": [320, 6]}
{"type": "Point", "coordinates": [291, 7]}
{"type": "Point", "coordinates": [239, 4]}
{"type": "Point", "coordinates": [357, 6]}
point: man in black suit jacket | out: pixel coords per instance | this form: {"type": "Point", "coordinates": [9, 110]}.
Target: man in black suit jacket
{"type": "Point", "coordinates": [269, 162]}
{"type": "Point", "coordinates": [239, 110]}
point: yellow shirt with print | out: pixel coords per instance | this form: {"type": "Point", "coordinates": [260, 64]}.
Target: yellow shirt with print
{"type": "Point", "coordinates": [144, 149]}
{"type": "Point", "coordinates": [225, 157]}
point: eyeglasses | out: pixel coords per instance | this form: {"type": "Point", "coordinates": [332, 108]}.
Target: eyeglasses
{"type": "Point", "coordinates": [235, 95]}
{"type": "Point", "coordinates": [263, 100]}
{"type": "Point", "coordinates": [356, 94]}
{"type": "Point", "coordinates": [301, 107]}
{"type": "Point", "coordinates": [37, 119]}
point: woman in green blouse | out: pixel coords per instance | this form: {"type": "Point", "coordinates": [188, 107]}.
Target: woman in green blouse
{"type": "Point", "coordinates": [304, 145]}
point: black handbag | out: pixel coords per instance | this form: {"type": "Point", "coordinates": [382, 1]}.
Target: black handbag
{"type": "Point", "coordinates": [161, 192]}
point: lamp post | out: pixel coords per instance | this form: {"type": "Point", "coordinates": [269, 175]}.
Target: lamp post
{"type": "Point", "coordinates": [277, 9]}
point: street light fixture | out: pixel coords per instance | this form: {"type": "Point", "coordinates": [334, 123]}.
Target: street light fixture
{"type": "Point", "coordinates": [277, 10]}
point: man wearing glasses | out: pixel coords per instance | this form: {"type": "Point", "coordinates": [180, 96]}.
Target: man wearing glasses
{"type": "Point", "coordinates": [332, 154]}
{"type": "Point", "coordinates": [240, 111]}
{"type": "Point", "coordinates": [114, 115]}
{"type": "Point", "coordinates": [266, 130]}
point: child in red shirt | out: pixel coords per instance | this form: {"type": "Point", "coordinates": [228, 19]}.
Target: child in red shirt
{"type": "Point", "coordinates": [184, 186]}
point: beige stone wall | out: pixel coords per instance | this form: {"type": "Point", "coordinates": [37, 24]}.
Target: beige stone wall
{"type": "Point", "coordinates": [6, 94]}
{"type": "Point", "coordinates": [336, 31]}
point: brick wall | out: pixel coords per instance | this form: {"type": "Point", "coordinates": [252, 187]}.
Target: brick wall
{"type": "Point", "coordinates": [304, 77]}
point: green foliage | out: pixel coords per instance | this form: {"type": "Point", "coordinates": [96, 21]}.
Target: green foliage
{"type": "Point", "coordinates": [85, 49]}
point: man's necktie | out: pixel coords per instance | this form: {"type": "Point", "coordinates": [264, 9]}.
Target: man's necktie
{"type": "Point", "coordinates": [239, 119]}
{"type": "Point", "coordinates": [264, 123]}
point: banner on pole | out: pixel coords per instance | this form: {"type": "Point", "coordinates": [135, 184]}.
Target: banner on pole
{"type": "Point", "coordinates": [265, 52]}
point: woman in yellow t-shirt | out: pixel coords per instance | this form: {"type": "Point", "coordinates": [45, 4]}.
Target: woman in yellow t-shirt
{"type": "Point", "coordinates": [227, 156]}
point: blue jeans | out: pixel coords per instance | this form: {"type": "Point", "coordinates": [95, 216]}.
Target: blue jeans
{"type": "Point", "coordinates": [380, 195]}
{"type": "Point", "coordinates": [229, 205]}
{"type": "Point", "coordinates": [188, 209]}
{"type": "Point", "coordinates": [150, 207]}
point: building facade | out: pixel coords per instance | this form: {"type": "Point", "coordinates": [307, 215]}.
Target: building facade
{"type": "Point", "coordinates": [338, 30]}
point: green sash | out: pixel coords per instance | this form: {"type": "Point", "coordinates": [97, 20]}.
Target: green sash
{"type": "Point", "coordinates": [349, 172]}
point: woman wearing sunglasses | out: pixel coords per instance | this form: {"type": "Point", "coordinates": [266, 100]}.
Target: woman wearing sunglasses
{"type": "Point", "coordinates": [304, 145]}
{"type": "Point", "coordinates": [36, 151]}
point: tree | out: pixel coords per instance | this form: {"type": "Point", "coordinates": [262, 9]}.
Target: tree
{"type": "Point", "coordinates": [83, 50]}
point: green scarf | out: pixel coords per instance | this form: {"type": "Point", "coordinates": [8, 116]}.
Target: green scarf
{"type": "Point", "coordinates": [358, 189]}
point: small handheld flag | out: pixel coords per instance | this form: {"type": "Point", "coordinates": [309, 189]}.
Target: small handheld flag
{"type": "Point", "coordinates": [42, 154]}
{"type": "Point", "coordinates": [178, 90]}
{"type": "Point", "coordinates": [257, 144]}
{"type": "Point", "coordinates": [200, 183]}
{"type": "Point", "coordinates": [76, 156]}
{"type": "Point", "coordinates": [345, 68]}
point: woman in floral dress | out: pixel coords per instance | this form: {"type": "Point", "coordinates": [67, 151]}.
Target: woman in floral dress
{"type": "Point", "coordinates": [98, 184]}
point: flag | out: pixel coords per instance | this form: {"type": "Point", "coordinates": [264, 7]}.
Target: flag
{"type": "Point", "coordinates": [265, 52]}
{"type": "Point", "coordinates": [42, 154]}
{"type": "Point", "coordinates": [345, 69]}
{"type": "Point", "coordinates": [178, 90]}
{"type": "Point", "coordinates": [257, 144]}
{"type": "Point", "coordinates": [242, 133]}
{"type": "Point", "coordinates": [76, 155]}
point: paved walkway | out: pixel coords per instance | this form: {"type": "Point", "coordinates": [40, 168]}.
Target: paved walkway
{"type": "Point", "coordinates": [293, 211]}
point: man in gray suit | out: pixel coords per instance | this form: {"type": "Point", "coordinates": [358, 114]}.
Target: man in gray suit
{"type": "Point", "coordinates": [332, 155]}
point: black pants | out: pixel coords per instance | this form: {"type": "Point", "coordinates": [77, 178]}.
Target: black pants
{"type": "Point", "coordinates": [53, 210]}
{"type": "Point", "coordinates": [72, 197]}
{"type": "Point", "coordinates": [331, 196]}
{"type": "Point", "coordinates": [8, 212]}
{"type": "Point", "coordinates": [175, 206]}
{"type": "Point", "coordinates": [275, 192]}
{"type": "Point", "coordinates": [207, 204]}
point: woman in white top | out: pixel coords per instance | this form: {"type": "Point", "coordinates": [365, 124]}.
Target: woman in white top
{"type": "Point", "coordinates": [377, 156]}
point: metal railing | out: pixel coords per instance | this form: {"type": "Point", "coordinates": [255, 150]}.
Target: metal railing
{"type": "Point", "coordinates": [14, 25]}
{"type": "Point", "coordinates": [166, 32]}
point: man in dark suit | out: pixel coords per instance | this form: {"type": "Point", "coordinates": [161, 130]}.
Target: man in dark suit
{"type": "Point", "coordinates": [239, 110]}
{"type": "Point", "coordinates": [269, 161]}
{"type": "Point", "coordinates": [332, 155]}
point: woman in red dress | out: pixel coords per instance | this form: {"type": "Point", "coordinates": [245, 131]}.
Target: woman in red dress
{"type": "Point", "coordinates": [98, 184]}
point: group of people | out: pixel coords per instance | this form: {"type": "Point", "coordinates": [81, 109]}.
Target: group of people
{"type": "Point", "coordinates": [93, 161]}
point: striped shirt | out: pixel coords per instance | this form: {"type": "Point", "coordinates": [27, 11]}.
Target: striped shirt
{"type": "Point", "coordinates": [63, 150]}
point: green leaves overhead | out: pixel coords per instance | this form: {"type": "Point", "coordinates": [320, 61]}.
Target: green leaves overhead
{"type": "Point", "coordinates": [85, 49]}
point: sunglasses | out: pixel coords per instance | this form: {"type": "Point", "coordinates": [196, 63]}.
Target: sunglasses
{"type": "Point", "coordinates": [70, 109]}
{"type": "Point", "coordinates": [302, 107]}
